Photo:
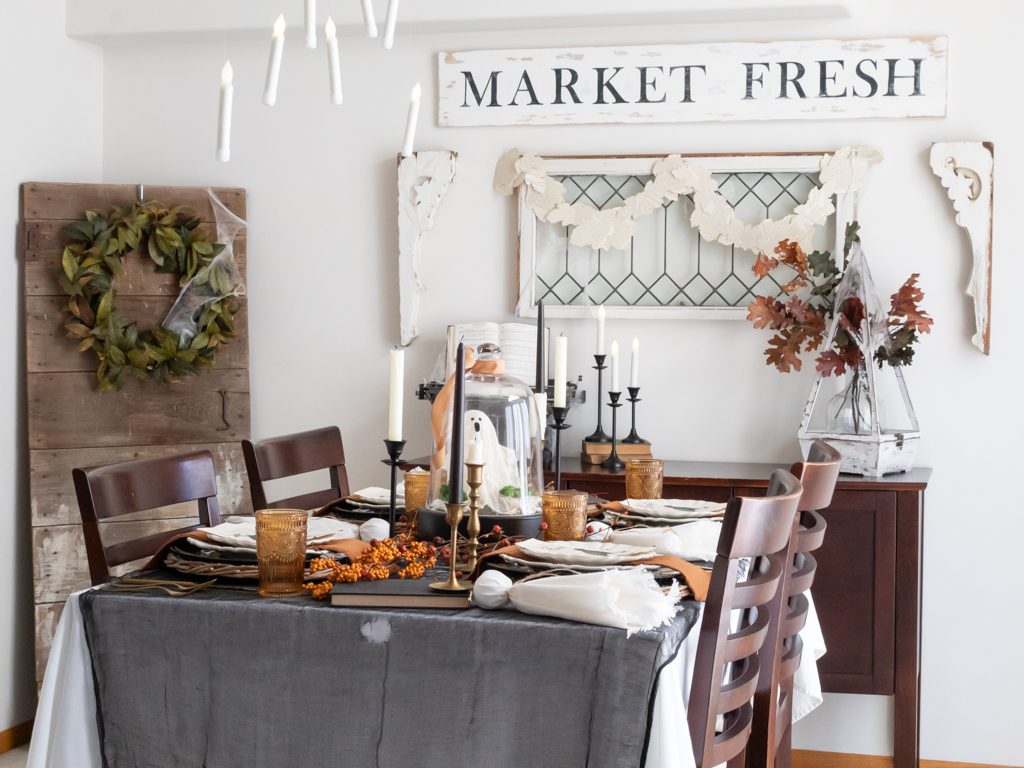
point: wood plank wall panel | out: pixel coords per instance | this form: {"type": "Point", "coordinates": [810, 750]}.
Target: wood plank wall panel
{"type": "Point", "coordinates": [73, 425]}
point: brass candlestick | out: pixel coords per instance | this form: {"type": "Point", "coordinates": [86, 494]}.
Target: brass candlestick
{"type": "Point", "coordinates": [474, 479]}
{"type": "Point", "coordinates": [453, 584]}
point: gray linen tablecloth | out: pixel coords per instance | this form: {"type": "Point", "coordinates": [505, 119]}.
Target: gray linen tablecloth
{"type": "Point", "coordinates": [225, 679]}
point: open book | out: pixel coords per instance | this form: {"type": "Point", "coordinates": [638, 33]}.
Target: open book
{"type": "Point", "coordinates": [518, 344]}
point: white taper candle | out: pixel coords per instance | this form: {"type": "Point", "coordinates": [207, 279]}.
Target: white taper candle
{"type": "Point", "coordinates": [614, 386]}
{"type": "Point", "coordinates": [227, 93]}
{"type": "Point", "coordinates": [561, 344]}
{"type": "Point", "coordinates": [274, 65]}
{"type": "Point", "coordinates": [600, 330]}
{"type": "Point", "coordinates": [333, 62]}
{"type": "Point", "coordinates": [634, 365]}
{"type": "Point", "coordinates": [410, 123]}
{"type": "Point", "coordinates": [389, 24]}
{"type": "Point", "coordinates": [475, 452]}
{"type": "Point", "coordinates": [371, 23]}
{"type": "Point", "coordinates": [310, 18]}
{"type": "Point", "coordinates": [541, 419]}
{"type": "Point", "coordinates": [397, 385]}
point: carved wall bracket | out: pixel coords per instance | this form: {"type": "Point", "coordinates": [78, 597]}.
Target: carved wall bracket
{"type": "Point", "coordinates": [423, 180]}
{"type": "Point", "coordinates": [965, 169]}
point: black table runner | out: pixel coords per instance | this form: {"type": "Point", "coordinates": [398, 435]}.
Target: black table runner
{"type": "Point", "coordinates": [226, 679]}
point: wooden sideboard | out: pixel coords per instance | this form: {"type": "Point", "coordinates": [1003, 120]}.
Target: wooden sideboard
{"type": "Point", "coordinates": [867, 590]}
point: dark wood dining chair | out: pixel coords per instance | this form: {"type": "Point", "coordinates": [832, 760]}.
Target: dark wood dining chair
{"type": "Point", "coordinates": [726, 667]}
{"type": "Point", "coordinates": [292, 455]}
{"type": "Point", "coordinates": [771, 734]}
{"type": "Point", "coordinates": [137, 486]}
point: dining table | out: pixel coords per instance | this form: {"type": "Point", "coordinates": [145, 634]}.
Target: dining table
{"type": "Point", "coordinates": [223, 677]}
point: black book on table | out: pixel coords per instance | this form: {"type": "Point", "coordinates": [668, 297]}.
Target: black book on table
{"type": "Point", "coordinates": [396, 593]}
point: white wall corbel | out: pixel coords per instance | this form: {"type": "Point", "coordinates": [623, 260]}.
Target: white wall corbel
{"type": "Point", "coordinates": [965, 169]}
{"type": "Point", "coordinates": [423, 180]}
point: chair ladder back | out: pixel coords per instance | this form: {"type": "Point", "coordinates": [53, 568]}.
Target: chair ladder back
{"type": "Point", "coordinates": [138, 486]}
{"type": "Point", "coordinates": [727, 665]}
{"type": "Point", "coordinates": [782, 651]}
{"type": "Point", "coordinates": [297, 454]}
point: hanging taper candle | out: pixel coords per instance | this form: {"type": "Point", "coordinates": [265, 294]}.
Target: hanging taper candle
{"type": "Point", "coordinates": [227, 91]}
{"type": "Point", "coordinates": [274, 65]}
{"type": "Point", "coordinates": [371, 23]}
{"type": "Point", "coordinates": [310, 18]}
{"type": "Point", "coordinates": [410, 122]}
{"type": "Point", "coordinates": [389, 24]}
{"type": "Point", "coordinates": [333, 63]}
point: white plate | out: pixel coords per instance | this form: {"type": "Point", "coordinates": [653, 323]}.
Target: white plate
{"type": "Point", "coordinates": [582, 568]}
{"type": "Point", "coordinates": [597, 553]}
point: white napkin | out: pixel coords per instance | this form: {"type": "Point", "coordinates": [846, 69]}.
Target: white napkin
{"type": "Point", "coordinates": [240, 532]}
{"type": "Point", "coordinates": [694, 541]}
{"type": "Point", "coordinates": [490, 590]}
{"type": "Point", "coordinates": [374, 528]}
{"type": "Point", "coordinates": [678, 509]}
{"type": "Point", "coordinates": [628, 599]}
{"type": "Point", "coordinates": [596, 553]}
{"type": "Point", "coordinates": [379, 495]}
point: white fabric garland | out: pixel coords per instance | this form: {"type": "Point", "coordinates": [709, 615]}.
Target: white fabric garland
{"type": "Point", "coordinates": [841, 172]}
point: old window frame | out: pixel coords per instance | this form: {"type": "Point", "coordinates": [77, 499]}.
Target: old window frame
{"type": "Point", "coordinates": [642, 165]}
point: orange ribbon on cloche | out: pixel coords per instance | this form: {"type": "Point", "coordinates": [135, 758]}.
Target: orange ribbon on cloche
{"type": "Point", "coordinates": [439, 410]}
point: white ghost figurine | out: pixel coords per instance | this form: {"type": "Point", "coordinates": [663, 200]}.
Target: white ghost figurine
{"type": "Point", "coordinates": [500, 465]}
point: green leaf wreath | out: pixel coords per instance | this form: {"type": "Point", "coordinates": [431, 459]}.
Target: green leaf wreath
{"type": "Point", "coordinates": [94, 257]}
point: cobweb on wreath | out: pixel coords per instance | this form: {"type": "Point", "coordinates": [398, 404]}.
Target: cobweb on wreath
{"type": "Point", "coordinates": [219, 280]}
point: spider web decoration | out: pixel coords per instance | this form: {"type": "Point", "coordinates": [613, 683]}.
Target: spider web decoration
{"type": "Point", "coordinates": [668, 263]}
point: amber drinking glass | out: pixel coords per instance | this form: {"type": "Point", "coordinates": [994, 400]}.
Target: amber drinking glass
{"type": "Point", "coordinates": [644, 478]}
{"type": "Point", "coordinates": [416, 486]}
{"type": "Point", "coordinates": [281, 551]}
{"type": "Point", "coordinates": [565, 512]}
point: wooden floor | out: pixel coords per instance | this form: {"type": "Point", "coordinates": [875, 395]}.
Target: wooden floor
{"type": "Point", "coordinates": [16, 758]}
{"type": "Point", "coordinates": [807, 759]}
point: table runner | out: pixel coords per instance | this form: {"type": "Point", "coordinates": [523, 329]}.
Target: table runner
{"type": "Point", "coordinates": [223, 678]}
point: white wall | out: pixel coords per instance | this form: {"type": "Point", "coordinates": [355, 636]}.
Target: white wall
{"type": "Point", "coordinates": [50, 130]}
{"type": "Point", "coordinates": [323, 291]}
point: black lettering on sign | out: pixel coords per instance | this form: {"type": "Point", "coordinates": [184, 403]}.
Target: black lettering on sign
{"type": "Point", "coordinates": [524, 81]}
{"type": "Point", "coordinates": [469, 84]}
{"type": "Point", "coordinates": [567, 86]}
{"type": "Point", "coordinates": [893, 77]}
{"type": "Point", "coordinates": [750, 76]}
{"type": "Point", "coordinates": [603, 83]}
{"type": "Point", "coordinates": [866, 78]}
{"type": "Point", "coordinates": [826, 78]}
{"type": "Point", "coordinates": [686, 79]}
{"type": "Point", "coordinates": [787, 80]}
{"type": "Point", "coordinates": [652, 84]}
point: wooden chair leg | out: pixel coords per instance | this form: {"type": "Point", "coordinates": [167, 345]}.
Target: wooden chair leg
{"type": "Point", "coordinates": [739, 760]}
{"type": "Point", "coordinates": [784, 749]}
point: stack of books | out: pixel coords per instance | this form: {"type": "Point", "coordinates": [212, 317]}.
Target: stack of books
{"type": "Point", "coordinates": [595, 453]}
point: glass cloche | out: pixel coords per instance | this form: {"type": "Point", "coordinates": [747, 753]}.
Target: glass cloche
{"type": "Point", "coordinates": [502, 416]}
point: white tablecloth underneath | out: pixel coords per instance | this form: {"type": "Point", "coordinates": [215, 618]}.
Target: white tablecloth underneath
{"type": "Point", "coordinates": [65, 732]}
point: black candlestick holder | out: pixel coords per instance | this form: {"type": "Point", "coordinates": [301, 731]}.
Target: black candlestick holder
{"type": "Point", "coordinates": [559, 425]}
{"type": "Point", "coordinates": [395, 448]}
{"type": "Point", "coordinates": [599, 436]}
{"type": "Point", "coordinates": [633, 438]}
{"type": "Point", "coordinates": [613, 461]}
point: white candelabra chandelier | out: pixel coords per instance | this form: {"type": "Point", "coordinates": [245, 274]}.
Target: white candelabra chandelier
{"type": "Point", "coordinates": [333, 70]}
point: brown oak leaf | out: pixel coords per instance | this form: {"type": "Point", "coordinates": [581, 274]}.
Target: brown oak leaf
{"type": "Point", "coordinates": [766, 312]}
{"type": "Point", "coordinates": [764, 265]}
{"type": "Point", "coordinates": [793, 255]}
{"type": "Point", "coordinates": [905, 304]}
{"type": "Point", "coordinates": [831, 364]}
{"type": "Point", "coordinates": [814, 327]}
{"type": "Point", "coordinates": [784, 350]}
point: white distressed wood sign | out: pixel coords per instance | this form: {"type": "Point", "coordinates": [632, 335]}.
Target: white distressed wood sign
{"type": "Point", "coordinates": [797, 80]}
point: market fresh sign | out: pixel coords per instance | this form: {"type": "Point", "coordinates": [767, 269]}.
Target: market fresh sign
{"type": "Point", "coordinates": [805, 80]}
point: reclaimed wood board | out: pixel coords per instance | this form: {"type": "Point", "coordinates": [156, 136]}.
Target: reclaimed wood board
{"type": "Point", "coordinates": [71, 424]}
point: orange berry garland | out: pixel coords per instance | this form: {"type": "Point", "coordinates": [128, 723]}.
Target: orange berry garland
{"type": "Point", "coordinates": [374, 564]}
